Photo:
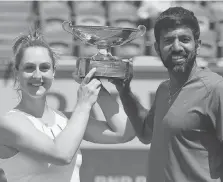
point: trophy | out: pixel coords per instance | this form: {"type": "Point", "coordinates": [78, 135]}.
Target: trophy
{"type": "Point", "coordinates": [104, 37]}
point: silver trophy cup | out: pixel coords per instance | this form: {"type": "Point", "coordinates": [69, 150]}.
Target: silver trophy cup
{"type": "Point", "coordinates": [104, 37]}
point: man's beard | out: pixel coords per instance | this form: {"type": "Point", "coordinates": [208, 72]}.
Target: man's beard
{"type": "Point", "coordinates": [180, 68]}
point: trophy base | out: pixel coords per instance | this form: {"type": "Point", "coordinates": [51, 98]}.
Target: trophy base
{"type": "Point", "coordinates": [105, 69]}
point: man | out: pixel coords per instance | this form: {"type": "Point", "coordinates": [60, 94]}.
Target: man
{"type": "Point", "coordinates": [185, 122]}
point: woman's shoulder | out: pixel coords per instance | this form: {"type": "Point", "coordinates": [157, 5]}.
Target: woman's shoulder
{"type": "Point", "coordinates": [13, 125]}
{"type": "Point", "coordinates": [14, 120]}
{"type": "Point", "coordinates": [14, 114]}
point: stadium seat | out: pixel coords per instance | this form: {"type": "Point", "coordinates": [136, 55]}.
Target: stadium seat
{"type": "Point", "coordinates": [219, 30]}
{"type": "Point", "coordinates": [54, 9]}
{"type": "Point", "coordinates": [208, 49]}
{"type": "Point", "coordinates": [15, 18]}
{"type": "Point", "coordinates": [90, 20]}
{"type": "Point", "coordinates": [15, 6]}
{"type": "Point", "coordinates": [122, 14]}
{"type": "Point", "coordinates": [52, 25]}
{"type": "Point", "coordinates": [203, 14]}
{"type": "Point", "coordinates": [13, 28]}
{"type": "Point", "coordinates": [217, 11]}
{"type": "Point", "coordinates": [53, 30]}
{"type": "Point", "coordinates": [57, 37]}
{"type": "Point", "coordinates": [89, 13]}
{"type": "Point", "coordinates": [60, 40]}
{"type": "Point", "coordinates": [5, 53]}
{"type": "Point", "coordinates": [88, 8]}
{"type": "Point", "coordinates": [215, 5]}
{"type": "Point", "coordinates": [61, 48]}
{"type": "Point", "coordinates": [131, 49]}
{"type": "Point", "coordinates": [8, 31]}
{"type": "Point", "coordinates": [124, 24]}
{"type": "Point", "coordinates": [185, 3]}
{"type": "Point", "coordinates": [151, 9]}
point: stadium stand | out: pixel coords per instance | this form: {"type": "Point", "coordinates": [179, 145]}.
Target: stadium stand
{"type": "Point", "coordinates": [117, 17]}
{"type": "Point", "coordinates": [51, 16]}
{"type": "Point", "coordinates": [17, 17]}
{"type": "Point", "coordinates": [54, 9]}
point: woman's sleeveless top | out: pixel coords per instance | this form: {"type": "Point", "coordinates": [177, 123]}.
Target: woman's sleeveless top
{"type": "Point", "coordinates": [23, 168]}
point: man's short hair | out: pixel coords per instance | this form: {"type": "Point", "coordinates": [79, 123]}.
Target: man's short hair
{"type": "Point", "coordinates": [175, 17]}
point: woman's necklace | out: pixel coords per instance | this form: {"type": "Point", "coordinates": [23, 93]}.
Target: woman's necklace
{"type": "Point", "coordinates": [176, 92]}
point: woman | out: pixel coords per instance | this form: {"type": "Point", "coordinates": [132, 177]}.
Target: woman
{"type": "Point", "coordinates": [39, 143]}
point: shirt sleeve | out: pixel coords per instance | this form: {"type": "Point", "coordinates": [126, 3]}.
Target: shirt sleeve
{"type": "Point", "coordinates": [215, 109]}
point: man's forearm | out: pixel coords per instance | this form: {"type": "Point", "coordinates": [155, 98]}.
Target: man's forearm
{"type": "Point", "coordinates": [113, 113]}
{"type": "Point", "coordinates": [134, 110]}
{"type": "Point", "coordinates": [108, 105]}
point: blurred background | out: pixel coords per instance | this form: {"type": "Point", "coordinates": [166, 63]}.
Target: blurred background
{"type": "Point", "coordinates": [18, 16]}
{"type": "Point", "coordinates": [104, 163]}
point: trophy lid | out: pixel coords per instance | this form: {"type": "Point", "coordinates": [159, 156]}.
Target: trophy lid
{"type": "Point", "coordinates": [104, 36]}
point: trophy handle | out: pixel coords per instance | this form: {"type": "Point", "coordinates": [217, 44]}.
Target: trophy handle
{"type": "Point", "coordinates": [67, 26]}
{"type": "Point", "coordinates": [142, 30]}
